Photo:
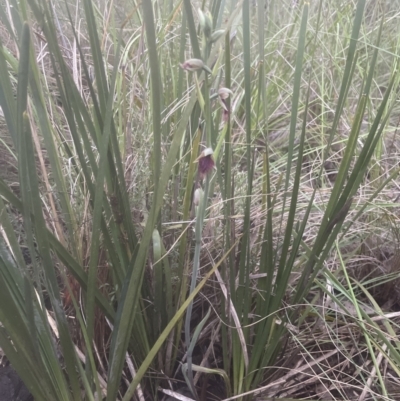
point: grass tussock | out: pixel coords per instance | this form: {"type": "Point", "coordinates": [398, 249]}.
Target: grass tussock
{"type": "Point", "coordinates": [200, 199]}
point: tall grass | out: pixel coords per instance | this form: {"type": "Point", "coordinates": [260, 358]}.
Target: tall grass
{"type": "Point", "coordinates": [107, 108]}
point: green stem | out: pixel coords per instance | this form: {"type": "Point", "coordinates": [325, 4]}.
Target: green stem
{"type": "Point", "coordinates": [196, 266]}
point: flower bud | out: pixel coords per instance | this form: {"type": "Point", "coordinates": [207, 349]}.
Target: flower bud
{"type": "Point", "coordinates": [206, 23]}
{"type": "Point", "coordinates": [216, 35]}
{"type": "Point", "coordinates": [202, 18]}
{"type": "Point", "coordinates": [198, 194]}
{"type": "Point", "coordinates": [223, 94]}
{"type": "Point", "coordinates": [193, 64]}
